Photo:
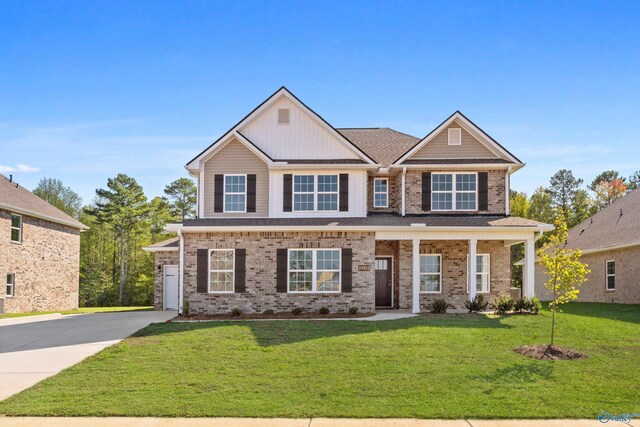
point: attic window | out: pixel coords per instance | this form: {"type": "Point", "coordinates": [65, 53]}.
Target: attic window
{"type": "Point", "coordinates": [455, 136]}
{"type": "Point", "coordinates": [283, 116]}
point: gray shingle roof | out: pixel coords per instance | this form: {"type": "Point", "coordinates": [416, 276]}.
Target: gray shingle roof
{"type": "Point", "coordinates": [169, 244]}
{"type": "Point", "coordinates": [20, 200]}
{"type": "Point", "coordinates": [385, 145]}
{"type": "Point", "coordinates": [609, 227]}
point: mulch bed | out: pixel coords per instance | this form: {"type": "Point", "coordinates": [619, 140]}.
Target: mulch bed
{"type": "Point", "coordinates": [284, 315]}
{"type": "Point", "coordinates": [548, 352]}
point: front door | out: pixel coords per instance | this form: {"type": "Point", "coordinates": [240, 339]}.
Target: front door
{"type": "Point", "coordinates": [383, 282]}
{"type": "Point", "coordinates": [171, 287]}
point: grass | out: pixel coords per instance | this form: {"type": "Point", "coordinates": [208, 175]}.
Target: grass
{"type": "Point", "coordinates": [435, 366]}
{"type": "Point", "coordinates": [81, 310]}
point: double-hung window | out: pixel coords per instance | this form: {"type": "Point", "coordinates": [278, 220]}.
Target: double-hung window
{"type": "Point", "coordinates": [380, 192]}
{"type": "Point", "coordinates": [221, 270]}
{"type": "Point", "coordinates": [309, 197]}
{"type": "Point", "coordinates": [610, 267]}
{"type": "Point", "coordinates": [235, 193]}
{"type": "Point", "coordinates": [430, 273]}
{"type": "Point", "coordinates": [482, 273]}
{"type": "Point", "coordinates": [314, 270]}
{"type": "Point", "coordinates": [16, 228]}
{"type": "Point", "coordinates": [454, 191]}
{"type": "Point", "coordinates": [11, 283]}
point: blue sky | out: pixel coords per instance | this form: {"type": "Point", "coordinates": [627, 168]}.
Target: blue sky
{"type": "Point", "coordinates": [91, 89]}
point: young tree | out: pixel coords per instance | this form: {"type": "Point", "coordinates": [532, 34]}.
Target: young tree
{"type": "Point", "coordinates": [182, 198]}
{"type": "Point", "coordinates": [634, 181]}
{"type": "Point", "coordinates": [606, 176]}
{"type": "Point", "coordinates": [608, 192]}
{"type": "Point", "coordinates": [565, 270]}
{"type": "Point", "coordinates": [64, 198]}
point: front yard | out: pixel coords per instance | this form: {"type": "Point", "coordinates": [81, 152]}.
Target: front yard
{"type": "Point", "coordinates": [446, 366]}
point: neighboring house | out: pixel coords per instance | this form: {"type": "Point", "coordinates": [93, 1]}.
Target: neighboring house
{"type": "Point", "coordinates": [39, 253]}
{"type": "Point", "coordinates": [293, 212]}
{"type": "Point", "coordinates": [610, 244]}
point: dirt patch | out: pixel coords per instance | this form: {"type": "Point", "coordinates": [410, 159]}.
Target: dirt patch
{"type": "Point", "coordinates": [284, 315]}
{"type": "Point", "coordinates": [548, 352]}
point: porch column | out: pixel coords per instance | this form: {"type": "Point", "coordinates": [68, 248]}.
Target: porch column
{"type": "Point", "coordinates": [416, 276]}
{"type": "Point", "coordinates": [528, 269]}
{"type": "Point", "coordinates": [472, 268]}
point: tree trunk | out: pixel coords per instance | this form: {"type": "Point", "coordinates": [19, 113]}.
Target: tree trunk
{"type": "Point", "coordinates": [553, 304]}
{"type": "Point", "coordinates": [121, 266]}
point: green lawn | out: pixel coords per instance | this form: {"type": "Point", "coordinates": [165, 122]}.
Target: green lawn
{"type": "Point", "coordinates": [81, 310]}
{"type": "Point", "coordinates": [451, 366]}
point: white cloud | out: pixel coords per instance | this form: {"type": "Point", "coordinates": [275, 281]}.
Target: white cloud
{"type": "Point", "coordinates": [20, 168]}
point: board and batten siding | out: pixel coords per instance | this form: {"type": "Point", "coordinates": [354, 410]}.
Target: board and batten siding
{"type": "Point", "coordinates": [305, 137]}
{"type": "Point", "coordinates": [439, 148]}
{"type": "Point", "coordinates": [236, 158]}
{"type": "Point", "coordinates": [357, 194]}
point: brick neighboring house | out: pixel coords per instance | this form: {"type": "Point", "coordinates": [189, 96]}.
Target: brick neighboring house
{"type": "Point", "coordinates": [39, 253]}
{"type": "Point", "coordinates": [610, 244]}
{"type": "Point", "coordinates": [293, 212]}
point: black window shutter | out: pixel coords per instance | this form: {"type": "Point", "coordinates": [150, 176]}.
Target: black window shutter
{"type": "Point", "coordinates": [203, 271]}
{"type": "Point", "coordinates": [281, 268]}
{"type": "Point", "coordinates": [426, 191]}
{"type": "Point", "coordinates": [344, 192]}
{"type": "Point", "coordinates": [287, 192]}
{"type": "Point", "coordinates": [218, 189]}
{"type": "Point", "coordinates": [483, 191]}
{"type": "Point", "coordinates": [347, 269]}
{"type": "Point", "coordinates": [251, 193]}
{"type": "Point", "coordinates": [240, 272]}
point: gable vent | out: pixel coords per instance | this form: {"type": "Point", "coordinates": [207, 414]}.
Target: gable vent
{"type": "Point", "coordinates": [455, 136]}
{"type": "Point", "coordinates": [283, 116]}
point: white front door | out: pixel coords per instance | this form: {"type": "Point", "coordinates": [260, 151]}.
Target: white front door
{"type": "Point", "coordinates": [170, 287]}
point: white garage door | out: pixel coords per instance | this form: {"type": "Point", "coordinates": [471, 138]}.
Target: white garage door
{"type": "Point", "coordinates": [170, 287]}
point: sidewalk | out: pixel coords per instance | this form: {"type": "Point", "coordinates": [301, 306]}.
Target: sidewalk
{"type": "Point", "coordinates": [288, 422]}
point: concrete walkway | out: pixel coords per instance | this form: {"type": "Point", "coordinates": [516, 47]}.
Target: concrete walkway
{"type": "Point", "coordinates": [288, 422]}
{"type": "Point", "coordinates": [33, 348]}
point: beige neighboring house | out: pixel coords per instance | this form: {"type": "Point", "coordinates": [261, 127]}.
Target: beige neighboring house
{"type": "Point", "coordinates": [610, 244]}
{"type": "Point", "coordinates": [39, 253]}
{"type": "Point", "coordinates": [293, 212]}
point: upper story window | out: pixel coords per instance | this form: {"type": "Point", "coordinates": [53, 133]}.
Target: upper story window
{"type": "Point", "coordinates": [314, 270]}
{"type": "Point", "coordinates": [380, 192]}
{"type": "Point", "coordinates": [235, 193]}
{"type": "Point", "coordinates": [11, 283]}
{"type": "Point", "coordinates": [221, 270]}
{"type": "Point", "coordinates": [455, 136]}
{"type": "Point", "coordinates": [611, 275]}
{"type": "Point", "coordinates": [16, 228]}
{"type": "Point", "coordinates": [454, 191]}
{"type": "Point", "coordinates": [283, 116]}
{"type": "Point", "coordinates": [309, 197]}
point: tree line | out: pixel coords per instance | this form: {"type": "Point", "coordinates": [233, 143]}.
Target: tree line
{"type": "Point", "coordinates": [114, 270]}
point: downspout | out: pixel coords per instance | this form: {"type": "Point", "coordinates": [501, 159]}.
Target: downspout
{"type": "Point", "coordinates": [404, 172]}
{"type": "Point", "coordinates": [507, 198]}
{"type": "Point", "coordinates": [181, 273]}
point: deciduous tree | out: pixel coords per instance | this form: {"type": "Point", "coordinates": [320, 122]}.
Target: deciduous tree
{"type": "Point", "coordinates": [64, 198]}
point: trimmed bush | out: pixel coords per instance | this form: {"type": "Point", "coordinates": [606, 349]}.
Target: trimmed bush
{"type": "Point", "coordinates": [236, 312]}
{"type": "Point", "coordinates": [268, 312]}
{"type": "Point", "coordinates": [353, 310]}
{"type": "Point", "coordinates": [533, 305]}
{"type": "Point", "coordinates": [324, 310]}
{"type": "Point", "coordinates": [504, 304]}
{"type": "Point", "coordinates": [520, 305]}
{"type": "Point", "coordinates": [296, 311]}
{"type": "Point", "coordinates": [478, 303]}
{"type": "Point", "coordinates": [438, 306]}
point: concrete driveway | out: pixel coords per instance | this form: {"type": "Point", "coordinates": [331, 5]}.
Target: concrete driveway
{"type": "Point", "coordinates": [36, 347]}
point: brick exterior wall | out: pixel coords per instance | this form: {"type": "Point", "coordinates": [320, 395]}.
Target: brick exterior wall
{"type": "Point", "coordinates": [593, 290]}
{"type": "Point", "coordinates": [46, 265]}
{"type": "Point", "coordinates": [162, 258]}
{"type": "Point", "coordinates": [261, 292]}
{"type": "Point", "coordinates": [496, 189]}
{"type": "Point", "coordinates": [395, 194]}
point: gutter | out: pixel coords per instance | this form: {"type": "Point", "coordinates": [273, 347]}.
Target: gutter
{"type": "Point", "coordinates": [33, 214]}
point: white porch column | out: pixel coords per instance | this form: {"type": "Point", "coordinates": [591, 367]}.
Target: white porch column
{"type": "Point", "coordinates": [416, 276]}
{"type": "Point", "coordinates": [528, 269]}
{"type": "Point", "coordinates": [472, 268]}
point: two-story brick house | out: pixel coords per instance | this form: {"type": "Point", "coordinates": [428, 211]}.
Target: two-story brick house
{"type": "Point", "coordinates": [293, 212]}
{"type": "Point", "coordinates": [39, 253]}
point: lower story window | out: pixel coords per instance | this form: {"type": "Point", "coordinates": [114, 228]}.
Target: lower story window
{"type": "Point", "coordinates": [11, 282]}
{"type": "Point", "coordinates": [482, 273]}
{"type": "Point", "coordinates": [221, 267]}
{"type": "Point", "coordinates": [430, 274]}
{"type": "Point", "coordinates": [314, 270]}
{"type": "Point", "coordinates": [611, 275]}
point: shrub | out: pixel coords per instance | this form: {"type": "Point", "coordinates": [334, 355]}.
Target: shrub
{"type": "Point", "coordinates": [323, 310]}
{"type": "Point", "coordinates": [296, 311]}
{"type": "Point", "coordinates": [504, 304]}
{"type": "Point", "coordinates": [185, 308]}
{"type": "Point", "coordinates": [520, 305]}
{"type": "Point", "coordinates": [478, 303]}
{"type": "Point", "coordinates": [438, 306]}
{"type": "Point", "coordinates": [268, 312]}
{"type": "Point", "coordinates": [533, 305]}
{"type": "Point", "coordinates": [353, 310]}
{"type": "Point", "coordinates": [236, 312]}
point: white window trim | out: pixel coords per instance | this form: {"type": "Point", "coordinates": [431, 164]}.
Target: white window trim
{"type": "Point", "coordinates": [459, 131]}
{"type": "Point", "coordinates": [315, 192]}
{"type": "Point", "coordinates": [288, 117]}
{"type": "Point", "coordinates": [224, 193]}
{"type": "Point", "coordinates": [607, 275]}
{"type": "Point", "coordinates": [233, 272]}
{"type": "Point", "coordinates": [453, 191]}
{"type": "Point", "coordinates": [432, 274]}
{"type": "Point", "coordinates": [313, 270]}
{"type": "Point", "coordinates": [488, 273]}
{"type": "Point", "coordinates": [16, 228]}
{"type": "Point", "coordinates": [13, 285]}
{"type": "Point", "coordinates": [386, 193]}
